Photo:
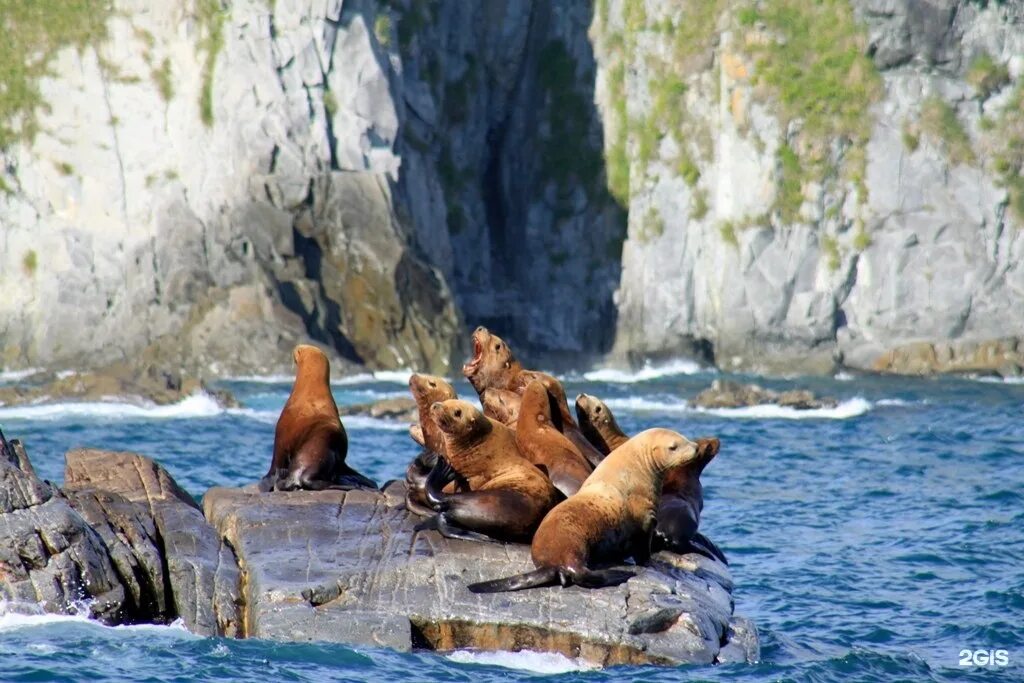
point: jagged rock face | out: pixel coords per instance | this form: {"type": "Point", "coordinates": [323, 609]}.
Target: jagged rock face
{"type": "Point", "coordinates": [899, 232]}
{"type": "Point", "coordinates": [356, 164]}
{"type": "Point", "coordinates": [357, 572]}
{"type": "Point", "coordinates": [375, 175]}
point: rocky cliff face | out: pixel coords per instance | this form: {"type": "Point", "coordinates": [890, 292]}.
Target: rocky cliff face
{"type": "Point", "coordinates": [817, 183]}
{"type": "Point", "coordinates": [208, 184]}
{"type": "Point", "coordinates": [204, 184]}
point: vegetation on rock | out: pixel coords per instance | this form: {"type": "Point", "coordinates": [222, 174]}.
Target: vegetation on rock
{"type": "Point", "coordinates": [941, 124]}
{"type": "Point", "coordinates": [210, 15]}
{"type": "Point", "coordinates": [33, 33]}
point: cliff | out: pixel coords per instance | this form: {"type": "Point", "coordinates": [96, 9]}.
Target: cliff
{"type": "Point", "coordinates": [203, 184]}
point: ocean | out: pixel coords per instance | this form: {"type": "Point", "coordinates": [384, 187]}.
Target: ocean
{"type": "Point", "coordinates": [878, 540]}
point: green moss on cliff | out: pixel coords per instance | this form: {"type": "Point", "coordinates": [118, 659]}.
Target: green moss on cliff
{"type": "Point", "coordinates": [812, 59]}
{"type": "Point", "coordinates": [987, 75]}
{"type": "Point", "coordinates": [33, 32]}
{"type": "Point", "coordinates": [1005, 142]}
{"type": "Point", "coordinates": [211, 16]}
{"type": "Point", "coordinates": [941, 124]}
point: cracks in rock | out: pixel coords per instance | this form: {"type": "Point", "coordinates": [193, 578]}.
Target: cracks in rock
{"type": "Point", "coordinates": [117, 143]}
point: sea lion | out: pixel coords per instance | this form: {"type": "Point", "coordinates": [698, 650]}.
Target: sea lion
{"type": "Point", "coordinates": [426, 390]}
{"type": "Point", "coordinates": [310, 443]}
{"type": "Point", "coordinates": [493, 366]}
{"type": "Point", "coordinates": [598, 424]}
{"type": "Point", "coordinates": [682, 496]}
{"type": "Point", "coordinates": [545, 446]}
{"type": "Point", "coordinates": [501, 405]}
{"type": "Point", "coordinates": [611, 517]}
{"type": "Point", "coordinates": [507, 497]}
{"type": "Point", "coordinates": [682, 500]}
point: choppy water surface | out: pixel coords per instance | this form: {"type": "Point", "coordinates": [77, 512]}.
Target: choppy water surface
{"type": "Point", "coordinates": [874, 541]}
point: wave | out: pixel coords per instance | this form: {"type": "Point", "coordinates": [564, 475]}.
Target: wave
{"type": "Point", "coordinates": [15, 375]}
{"type": "Point", "coordinates": [393, 376]}
{"type": "Point", "coordinates": [1000, 380]}
{"type": "Point", "coordinates": [644, 374]}
{"type": "Point", "coordinates": [199, 404]}
{"type": "Point", "coordinates": [350, 421]}
{"type": "Point", "coordinates": [15, 616]}
{"type": "Point", "coordinates": [846, 409]}
{"type": "Point", "coordinates": [545, 663]}
{"type": "Point", "coordinates": [853, 407]}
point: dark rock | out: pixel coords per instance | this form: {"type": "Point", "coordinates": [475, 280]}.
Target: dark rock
{"type": "Point", "coordinates": [201, 573]}
{"type": "Point", "coordinates": [725, 393]}
{"type": "Point", "coordinates": [399, 409]}
{"type": "Point", "coordinates": [145, 383]}
{"type": "Point", "coordinates": [356, 572]}
{"type": "Point", "coordinates": [49, 555]}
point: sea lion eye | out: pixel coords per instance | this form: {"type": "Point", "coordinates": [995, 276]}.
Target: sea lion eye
{"type": "Point", "coordinates": [458, 413]}
{"type": "Point", "coordinates": [433, 385]}
{"type": "Point", "coordinates": [497, 347]}
{"type": "Point", "coordinates": [597, 409]}
{"type": "Point", "coordinates": [674, 447]}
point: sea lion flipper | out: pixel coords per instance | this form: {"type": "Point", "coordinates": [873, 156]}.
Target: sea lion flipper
{"type": "Point", "coordinates": [268, 482]}
{"type": "Point", "coordinates": [446, 528]}
{"type": "Point", "coordinates": [700, 542]}
{"type": "Point", "coordinates": [547, 576]}
{"type": "Point", "coordinates": [349, 478]}
{"type": "Point", "coordinates": [602, 578]}
{"type": "Point", "coordinates": [440, 476]}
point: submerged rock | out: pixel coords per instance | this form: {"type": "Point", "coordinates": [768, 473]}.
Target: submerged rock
{"type": "Point", "coordinates": [399, 409]}
{"type": "Point", "coordinates": [146, 383]}
{"type": "Point", "coordinates": [725, 393]}
{"type": "Point", "coordinates": [356, 572]}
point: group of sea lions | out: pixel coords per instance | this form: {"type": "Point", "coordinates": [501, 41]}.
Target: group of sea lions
{"type": "Point", "coordinates": [521, 469]}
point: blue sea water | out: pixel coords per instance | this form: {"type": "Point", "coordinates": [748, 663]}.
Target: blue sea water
{"type": "Point", "coordinates": [875, 541]}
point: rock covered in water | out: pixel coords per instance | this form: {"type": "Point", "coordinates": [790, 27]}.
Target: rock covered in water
{"type": "Point", "coordinates": [401, 409]}
{"type": "Point", "coordinates": [725, 393]}
{"type": "Point", "coordinates": [144, 383]}
{"type": "Point", "coordinates": [356, 572]}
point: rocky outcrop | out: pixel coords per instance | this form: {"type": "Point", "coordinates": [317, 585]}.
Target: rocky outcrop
{"type": "Point", "coordinates": [348, 567]}
{"type": "Point", "coordinates": [813, 184]}
{"type": "Point", "coordinates": [116, 382]}
{"type": "Point", "coordinates": [372, 175]}
{"type": "Point", "coordinates": [121, 538]}
{"type": "Point", "coordinates": [356, 572]}
{"type": "Point", "coordinates": [1003, 357]}
{"type": "Point", "coordinates": [398, 409]}
{"type": "Point", "coordinates": [730, 394]}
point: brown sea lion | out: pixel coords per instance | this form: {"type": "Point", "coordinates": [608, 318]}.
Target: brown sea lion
{"type": "Point", "coordinates": [507, 497]}
{"type": "Point", "coordinates": [310, 443]}
{"type": "Point", "coordinates": [493, 366]}
{"type": "Point", "coordinates": [682, 496]}
{"type": "Point", "coordinates": [682, 500]}
{"type": "Point", "coordinates": [598, 424]}
{"type": "Point", "coordinates": [501, 405]}
{"type": "Point", "coordinates": [426, 390]}
{"type": "Point", "coordinates": [610, 518]}
{"type": "Point", "coordinates": [545, 446]}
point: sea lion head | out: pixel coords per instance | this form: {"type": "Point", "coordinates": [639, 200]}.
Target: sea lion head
{"type": "Point", "coordinates": [428, 389]}
{"type": "Point", "coordinates": [459, 419]}
{"type": "Point", "coordinates": [707, 449]}
{"type": "Point", "coordinates": [491, 359]}
{"type": "Point", "coordinates": [500, 405]}
{"type": "Point", "coordinates": [663, 449]}
{"type": "Point", "coordinates": [311, 362]}
{"type": "Point", "coordinates": [592, 410]}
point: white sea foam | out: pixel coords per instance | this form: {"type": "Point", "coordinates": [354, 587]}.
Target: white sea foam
{"type": "Point", "coordinates": [17, 616]}
{"type": "Point", "coordinates": [199, 404]}
{"type": "Point", "coordinates": [846, 409]}
{"type": "Point", "coordinates": [1001, 380]}
{"type": "Point", "coordinates": [545, 663]}
{"type": "Point", "coordinates": [15, 375]}
{"type": "Point", "coordinates": [844, 377]}
{"type": "Point", "coordinates": [350, 421]}
{"type": "Point", "coordinates": [644, 374]}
